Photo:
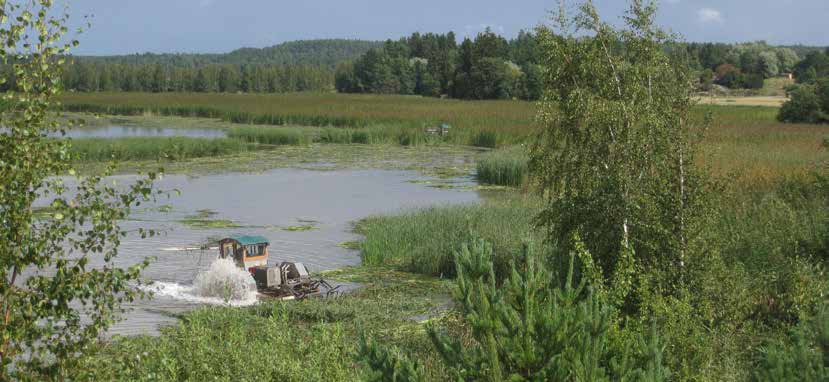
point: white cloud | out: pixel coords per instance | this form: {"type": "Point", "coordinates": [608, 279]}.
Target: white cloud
{"type": "Point", "coordinates": [710, 15]}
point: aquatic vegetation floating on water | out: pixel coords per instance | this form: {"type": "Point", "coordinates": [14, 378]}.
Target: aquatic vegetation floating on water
{"type": "Point", "coordinates": [165, 208]}
{"type": "Point", "coordinates": [203, 219]}
{"type": "Point", "coordinates": [299, 228]}
{"type": "Point", "coordinates": [350, 245]}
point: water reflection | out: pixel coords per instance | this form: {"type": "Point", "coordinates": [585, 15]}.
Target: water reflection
{"type": "Point", "coordinates": [141, 131]}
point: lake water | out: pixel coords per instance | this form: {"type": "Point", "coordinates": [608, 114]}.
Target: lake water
{"type": "Point", "coordinates": [142, 131]}
{"type": "Point", "coordinates": [265, 203]}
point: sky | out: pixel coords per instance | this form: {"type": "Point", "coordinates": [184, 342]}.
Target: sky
{"type": "Point", "coordinates": [217, 26]}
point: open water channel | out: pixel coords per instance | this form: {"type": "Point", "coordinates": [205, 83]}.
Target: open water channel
{"type": "Point", "coordinates": [267, 204]}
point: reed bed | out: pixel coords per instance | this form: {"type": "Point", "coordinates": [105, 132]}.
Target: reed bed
{"type": "Point", "coordinates": [746, 143]}
{"type": "Point", "coordinates": [270, 135]}
{"type": "Point", "coordinates": [424, 240]}
{"type": "Point", "coordinates": [151, 148]}
{"type": "Point", "coordinates": [507, 167]}
{"type": "Point", "coordinates": [515, 118]}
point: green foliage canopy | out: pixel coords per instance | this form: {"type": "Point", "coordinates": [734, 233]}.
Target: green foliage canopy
{"type": "Point", "coordinates": [614, 157]}
{"type": "Point", "coordinates": [59, 286]}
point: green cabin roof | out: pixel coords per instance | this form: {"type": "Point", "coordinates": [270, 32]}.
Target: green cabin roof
{"type": "Point", "coordinates": [248, 240]}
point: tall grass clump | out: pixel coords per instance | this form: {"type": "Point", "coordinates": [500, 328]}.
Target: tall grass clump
{"type": "Point", "coordinates": [503, 168]}
{"type": "Point", "coordinates": [269, 135]}
{"type": "Point", "coordinates": [348, 136]}
{"type": "Point", "coordinates": [424, 240]}
{"type": "Point", "coordinates": [151, 148]}
{"type": "Point", "coordinates": [485, 139]}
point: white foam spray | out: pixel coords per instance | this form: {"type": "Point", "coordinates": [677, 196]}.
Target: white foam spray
{"type": "Point", "coordinates": [225, 280]}
{"type": "Point", "coordinates": [223, 283]}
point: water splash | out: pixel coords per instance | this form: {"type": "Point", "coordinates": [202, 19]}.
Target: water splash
{"type": "Point", "coordinates": [223, 283]}
{"type": "Point", "coordinates": [226, 281]}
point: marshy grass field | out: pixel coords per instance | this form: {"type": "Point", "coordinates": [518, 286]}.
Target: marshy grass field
{"type": "Point", "coordinates": [770, 228]}
{"type": "Point", "coordinates": [745, 143]}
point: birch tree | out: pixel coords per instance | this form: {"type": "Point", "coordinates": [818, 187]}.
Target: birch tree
{"type": "Point", "coordinates": [54, 303]}
{"type": "Point", "coordinates": [615, 158]}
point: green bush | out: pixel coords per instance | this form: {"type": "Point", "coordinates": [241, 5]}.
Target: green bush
{"type": "Point", "coordinates": [527, 330]}
{"type": "Point", "coordinates": [805, 105]}
{"type": "Point", "coordinates": [802, 357]}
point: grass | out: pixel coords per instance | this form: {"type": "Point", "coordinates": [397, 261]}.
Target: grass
{"type": "Point", "coordinates": [152, 148]}
{"type": "Point", "coordinates": [316, 109]}
{"type": "Point", "coordinates": [268, 136]}
{"type": "Point", "coordinates": [745, 142]}
{"type": "Point", "coordinates": [485, 139]}
{"type": "Point", "coordinates": [424, 240]}
{"type": "Point", "coordinates": [748, 147]}
{"type": "Point", "coordinates": [770, 233]}
{"type": "Point", "coordinates": [503, 167]}
{"type": "Point", "coordinates": [313, 339]}
{"type": "Point", "coordinates": [768, 274]}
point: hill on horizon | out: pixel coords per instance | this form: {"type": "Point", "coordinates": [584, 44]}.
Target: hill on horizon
{"type": "Point", "coordinates": [324, 52]}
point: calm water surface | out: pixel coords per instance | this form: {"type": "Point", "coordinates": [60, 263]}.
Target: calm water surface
{"type": "Point", "coordinates": [264, 203]}
{"type": "Point", "coordinates": [142, 131]}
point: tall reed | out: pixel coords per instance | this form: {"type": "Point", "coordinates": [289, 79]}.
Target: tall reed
{"type": "Point", "coordinates": [148, 148]}
{"type": "Point", "coordinates": [425, 240]}
{"type": "Point", "coordinates": [269, 135]}
{"type": "Point", "coordinates": [503, 167]}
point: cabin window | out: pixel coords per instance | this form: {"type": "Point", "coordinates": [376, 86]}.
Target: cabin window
{"type": "Point", "coordinates": [256, 250]}
{"type": "Point", "coordinates": [238, 256]}
{"type": "Point", "coordinates": [227, 250]}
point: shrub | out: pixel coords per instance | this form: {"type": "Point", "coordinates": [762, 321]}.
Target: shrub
{"type": "Point", "coordinates": [802, 357]}
{"type": "Point", "coordinates": [803, 105]}
{"type": "Point", "coordinates": [527, 330]}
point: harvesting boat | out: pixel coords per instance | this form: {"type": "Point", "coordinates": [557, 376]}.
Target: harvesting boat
{"type": "Point", "coordinates": [287, 280]}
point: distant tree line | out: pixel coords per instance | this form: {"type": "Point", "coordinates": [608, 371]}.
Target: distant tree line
{"type": "Point", "coordinates": [304, 52]}
{"type": "Point", "coordinates": [809, 98]}
{"type": "Point", "coordinates": [739, 66]}
{"type": "Point", "coordinates": [287, 67]}
{"type": "Point", "coordinates": [227, 78]}
{"type": "Point", "coordinates": [488, 67]}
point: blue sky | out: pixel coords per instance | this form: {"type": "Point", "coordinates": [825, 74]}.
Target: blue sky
{"type": "Point", "coordinates": [213, 26]}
